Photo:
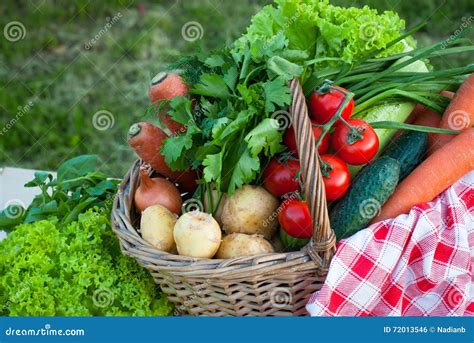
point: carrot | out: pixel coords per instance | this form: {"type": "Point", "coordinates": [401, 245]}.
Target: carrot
{"type": "Point", "coordinates": [459, 115]}
{"type": "Point", "coordinates": [146, 139]}
{"type": "Point", "coordinates": [439, 171]}
{"type": "Point", "coordinates": [429, 118]}
{"type": "Point", "coordinates": [411, 118]}
{"type": "Point", "coordinates": [419, 108]}
{"type": "Point", "coordinates": [165, 86]}
{"type": "Point", "coordinates": [424, 116]}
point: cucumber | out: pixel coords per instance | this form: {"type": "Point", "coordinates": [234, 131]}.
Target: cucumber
{"type": "Point", "coordinates": [292, 243]}
{"type": "Point", "coordinates": [368, 192]}
{"type": "Point", "coordinates": [408, 149]}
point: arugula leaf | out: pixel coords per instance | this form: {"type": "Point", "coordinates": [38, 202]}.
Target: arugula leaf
{"type": "Point", "coordinates": [102, 188]}
{"type": "Point", "coordinates": [40, 178]}
{"type": "Point", "coordinates": [78, 187]}
{"type": "Point", "coordinates": [277, 93]}
{"type": "Point", "coordinates": [265, 136]}
{"type": "Point", "coordinates": [76, 167]}
{"type": "Point", "coordinates": [39, 213]}
{"type": "Point", "coordinates": [212, 85]}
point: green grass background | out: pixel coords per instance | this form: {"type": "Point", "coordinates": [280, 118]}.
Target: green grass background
{"type": "Point", "coordinates": [67, 83]}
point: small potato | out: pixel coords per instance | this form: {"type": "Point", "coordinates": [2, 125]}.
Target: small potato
{"type": "Point", "coordinates": [197, 234]}
{"type": "Point", "coordinates": [157, 226]}
{"type": "Point", "coordinates": [250, 210]}
{"type": "Point", "coordinates": [215, 200]}
{"type": "Point", "coordinates": [240, 244]}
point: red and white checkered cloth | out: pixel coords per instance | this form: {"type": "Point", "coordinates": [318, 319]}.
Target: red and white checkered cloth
{"type": "Point", "coordinates": [420, 264]}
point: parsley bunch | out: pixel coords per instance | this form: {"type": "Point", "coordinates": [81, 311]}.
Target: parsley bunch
{"type": "Point", "coordinates": [231, 129]}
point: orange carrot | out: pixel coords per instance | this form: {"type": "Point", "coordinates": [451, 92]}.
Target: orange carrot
{"type": "Point", "coordinates": [439, 171]}
{"type": "Point", "coordinates": [419, 108]}
{"type": "Point", "coordinates": [459, 115]}
{"type": "Point", "coordinates": [424, 116]}
{"type": "Point", "coordinates": [429, 118]}
{"type": "Point", "coordinates": [165, 86]}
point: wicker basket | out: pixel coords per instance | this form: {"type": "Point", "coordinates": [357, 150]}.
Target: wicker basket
{"type": "Point", "coordinates": [277, 284]}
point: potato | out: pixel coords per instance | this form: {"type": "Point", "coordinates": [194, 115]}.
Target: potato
{"type": "Point", "coordinates": [215, 199]}
{"type": "Point", "coordinates": [240, 244]}
{"type": "Point", "coordinates": [250, 210]}
{"type": "Point", "coordinates": [157, 226]}
{"type": "Point", "coordinates": [197, 234]}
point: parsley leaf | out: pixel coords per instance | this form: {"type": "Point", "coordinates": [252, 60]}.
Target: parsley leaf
{"type": "Point", "coordinates": [230, 77]}
{"type": "Point", "coordinates": [180, 110]}
{"type": "Point", "coordinates": [265, 136]}
{"type": "Point", "coordinates": [244, 171]}
{"type": "Point", "coordinates": [173, 149]}
{"type": "Point", "coordinates": [277, 93]}
{"type": "Point", "coordinates": [212, 168]}
{"type": "Point", "coordinates": [212, 85]}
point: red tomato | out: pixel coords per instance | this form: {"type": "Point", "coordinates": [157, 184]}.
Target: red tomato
{"type": "Point", "coordinates": [353, 151]}
{"type": "Point", "coordinates": [295, 219]}
{"type": "Point", "coordinates": [324, 106]}
{"type": "Point", "coordinates": [290, 140]}
{"type": "Point", "coordinates": [337, 178]}
{"type": "Point", "coordinates": [280, 178]}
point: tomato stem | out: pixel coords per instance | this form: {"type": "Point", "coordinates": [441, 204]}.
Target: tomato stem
{"type": "Point", "coordinates": [326, 168]}
{"type": "Point", "coordinates": [338, 115]}
{"type": "Point", "coordinates": [326, 87]}
{"type": "Point", "coordinates": [355, 132]}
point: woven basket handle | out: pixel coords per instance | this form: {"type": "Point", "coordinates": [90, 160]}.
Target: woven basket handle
{"type": "Point", "coordinates": [323, 240]}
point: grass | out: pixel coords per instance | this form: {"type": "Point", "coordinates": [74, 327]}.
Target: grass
{"type": "Point", "coordinates": [87, 57]}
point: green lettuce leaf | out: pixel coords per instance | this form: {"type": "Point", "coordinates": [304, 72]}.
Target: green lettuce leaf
{"type": "Point", "coordinates": [52, 269]}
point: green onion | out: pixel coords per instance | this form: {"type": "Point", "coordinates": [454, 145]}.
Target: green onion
{"type": "Point", "coordinates": [403, 126]}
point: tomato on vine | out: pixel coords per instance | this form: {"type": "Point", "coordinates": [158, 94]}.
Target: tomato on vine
{"type": "Point", "coordinates": [325, 101]}
{"type": "Point", "coordinates": [336, 176]}
{"type": "Point", "coordinates": [355, 141]}
{"type": "Point", "coordinates": [289, 139]}
{"type": "Point", "coordinates": [294, 218]}
{"type": "Point", "coordinates": [280, 178]}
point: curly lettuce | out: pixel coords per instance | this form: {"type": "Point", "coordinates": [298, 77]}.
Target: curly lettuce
{"type": "Point", "coordinates": [52, 269]}
{"type": "Point", "coordinates": [315, 29]}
